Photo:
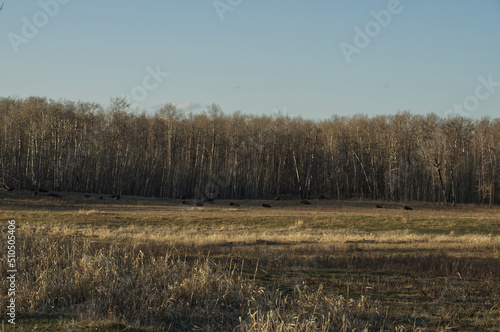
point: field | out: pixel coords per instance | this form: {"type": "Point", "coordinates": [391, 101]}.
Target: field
{"type": "Point", "coordinates": [150, 264]}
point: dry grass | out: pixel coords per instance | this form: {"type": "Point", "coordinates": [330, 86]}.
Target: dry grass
{"type": "Point", "coordinates": [152, 264]}
{"type": "Point", "coordinates": [151, 286]}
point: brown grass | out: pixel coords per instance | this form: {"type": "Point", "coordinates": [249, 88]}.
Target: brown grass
{"type": "Point", "coordinates": [150, 286]}
{"type": "Point", "coordinates": [156, 264]}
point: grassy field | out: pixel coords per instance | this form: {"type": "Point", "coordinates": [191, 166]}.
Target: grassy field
{"type": "Point", "coordinates": [149, 264]}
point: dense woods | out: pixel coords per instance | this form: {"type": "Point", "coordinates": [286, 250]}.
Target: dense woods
{"type": "Point", "coordinates": [83, 147]}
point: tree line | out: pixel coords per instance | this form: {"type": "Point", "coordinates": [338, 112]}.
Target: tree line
{"type": "Point", "coordinates": [84, 147]}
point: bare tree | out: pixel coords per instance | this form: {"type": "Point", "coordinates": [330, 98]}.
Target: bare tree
{"type": "Point", "coordinates": [83, 147]}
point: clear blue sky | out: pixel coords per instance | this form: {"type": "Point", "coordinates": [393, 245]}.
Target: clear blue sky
{"type": "Point", "coordinates": [263, 57]}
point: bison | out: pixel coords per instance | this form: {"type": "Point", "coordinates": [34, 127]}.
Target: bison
{"type": "Point", "coordinates": [208, 199]}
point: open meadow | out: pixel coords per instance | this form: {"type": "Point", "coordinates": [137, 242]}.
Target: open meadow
{"type": "Point", "coordinates": [151, 264]}
{"type": "Point", "coordinates": [249, 166]}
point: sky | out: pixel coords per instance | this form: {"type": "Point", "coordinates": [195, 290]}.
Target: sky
{"type": "Point", "coordinates": [313, 59]}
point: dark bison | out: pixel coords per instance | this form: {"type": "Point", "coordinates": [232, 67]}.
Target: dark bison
{"type": "Point", "coordinates": [199, 204]}
{"type": "Point", "coordinates": [379, 206]}
{"type": "Point", "coordinates": [87, 196]}
{"type": "Point", "coordinates": [276, 198]}
{"type": "Point", "coordinates": [54, 195]}
{"type": "Point", "coordinates": [266, 205]}
{"type": "Point", "coordinates": [408, 208]}
{"type": "Point", "coordinates": [233, 204]}
{"type": "Point", "coordinates": [305, 202]}
{"type": "Point", "coordinates": [208, 199]}
{"type": "Point", "coordinates": [322, 197]}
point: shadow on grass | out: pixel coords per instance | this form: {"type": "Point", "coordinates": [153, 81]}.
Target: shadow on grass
{"type": "Point", "coordinates": [51, 323]}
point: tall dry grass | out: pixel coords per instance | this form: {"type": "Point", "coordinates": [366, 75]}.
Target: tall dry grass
{"type": "Point", "coordinates": [149, 286]}
{"type": "Point", "coordinates": [182, 269]}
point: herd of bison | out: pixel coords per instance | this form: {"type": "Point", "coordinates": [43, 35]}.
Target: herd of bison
{"type": "Point", "coordinates": [207, 199]}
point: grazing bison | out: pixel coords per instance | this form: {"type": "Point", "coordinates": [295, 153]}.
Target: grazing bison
{"type": "Point", "coordinates": [276, 198]}
{"type": "Point", "coordinates": [35, 193]}
{"type": "Point", "coordinates": [87, 196]}
{"type": "Point", "coordinates": [322, 197]}
{"type": "Point", "coordinates": [305, 202]}
{"type": "Point", "coordinates": [266, 205]}
{"type": "Point", "coordinates": [117, 197]}
{"type": "Point", "coordinates": [42, 190]}
{"type": "Point", "coordinates": [408, 208]}
{"type": "Point", "coordinates": [199, 204]}
{"type": "Point", "coordinates": [101, 197]}
{"type": "Point", "coordinates": [379, 206]}
{"type": "Point", "coordinates": [54, 195]}
{"type": "Point", "coordinates": [208, 199]}
{"type": "Point", "coordinates": [233, 204]}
